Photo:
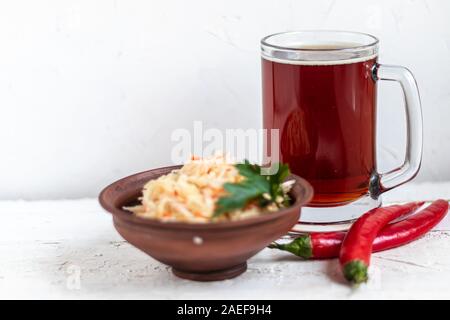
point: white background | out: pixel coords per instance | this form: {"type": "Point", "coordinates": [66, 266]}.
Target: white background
{"type": "Point", "coordinates": [90, 91]}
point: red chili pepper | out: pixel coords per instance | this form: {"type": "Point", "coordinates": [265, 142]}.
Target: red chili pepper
{"type": "Point", "coordinates": [356, 248]}
{"type": "Point", "coordinates": [328, 245]}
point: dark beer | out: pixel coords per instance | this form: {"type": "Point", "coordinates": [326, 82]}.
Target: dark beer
{"type": "Point", "coordinates": [326, 114]}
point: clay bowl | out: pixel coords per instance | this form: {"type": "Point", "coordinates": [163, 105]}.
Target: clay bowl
{"type": "Point", "coordinates": [202, 252]}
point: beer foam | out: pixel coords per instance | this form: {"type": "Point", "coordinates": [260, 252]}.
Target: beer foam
{"type": "Point", "coordinates": [321, 54]}
{"type": "Point", "coordinates": [326, 46]}
{"type": "Point", "coordinates": [320, 62]}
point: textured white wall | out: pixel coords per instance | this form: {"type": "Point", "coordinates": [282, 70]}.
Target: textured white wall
{"type": "Point", "coordinates": [91, 90]}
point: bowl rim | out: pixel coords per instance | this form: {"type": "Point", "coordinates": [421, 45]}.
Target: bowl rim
{"type": "Point", "coordinates": [133, 219]}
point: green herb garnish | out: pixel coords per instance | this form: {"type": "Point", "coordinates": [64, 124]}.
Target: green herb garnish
{"type": "Point", "coordinates": [262, 189]}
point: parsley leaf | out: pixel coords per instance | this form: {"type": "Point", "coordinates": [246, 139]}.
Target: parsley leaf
{"type": "Point", "coordinates": [262, 189]}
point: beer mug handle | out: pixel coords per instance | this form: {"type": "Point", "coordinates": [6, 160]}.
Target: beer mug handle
{"type": "Point", "coordinates": [382, 182]}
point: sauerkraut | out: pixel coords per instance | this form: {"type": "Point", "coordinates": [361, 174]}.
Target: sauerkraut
{"type": "Point", "coordinates": [189, 194]}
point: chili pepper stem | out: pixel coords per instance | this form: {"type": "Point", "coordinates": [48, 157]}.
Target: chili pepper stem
{"type": "Point", "coordinates": [356, 271]}
{"type": "Point", "coordinates": [300, 246]}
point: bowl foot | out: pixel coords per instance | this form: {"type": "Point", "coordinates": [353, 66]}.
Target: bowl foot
{"type": "Point", "coordinates": [213, 275]}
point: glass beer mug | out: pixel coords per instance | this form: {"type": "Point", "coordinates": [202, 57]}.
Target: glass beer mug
{"type": "Point", "coordinates": [319, 91]}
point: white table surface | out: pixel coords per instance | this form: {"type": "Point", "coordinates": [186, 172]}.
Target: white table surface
{"type": "Point", "coordinates": [69, 249]}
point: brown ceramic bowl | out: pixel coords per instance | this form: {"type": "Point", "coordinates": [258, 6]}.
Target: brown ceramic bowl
{"type": "Point", "coordinates": [203, 252]}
